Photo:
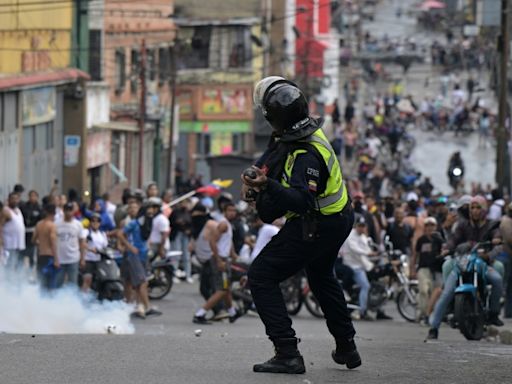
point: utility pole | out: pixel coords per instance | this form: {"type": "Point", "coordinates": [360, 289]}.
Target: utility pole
{"type": "Point", "coordinates": [142, 110]}
{"type": "Point", "coordinates": [502, 135]}
{"type": "Point", "coordinates": [157, 150]}
{"type": "Point", "coordinates": [172, 89]}
{"type": "Point", "coordinates": [307, 48]}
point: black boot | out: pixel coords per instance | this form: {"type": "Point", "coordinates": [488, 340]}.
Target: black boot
{"type": "Point", "coordinates": [346, 353]}
{"type": "Point", "coordinates": [287, 359]}
{"type": "Point", "coordinates": [495, 320]}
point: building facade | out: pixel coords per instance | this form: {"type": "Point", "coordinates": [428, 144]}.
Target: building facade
{"type": "Point", "coordinates": [42, 99]}
{"type": "Point", "coordinates": [221, 52]}
{"type": "Point", "coordinates": [125, 37]}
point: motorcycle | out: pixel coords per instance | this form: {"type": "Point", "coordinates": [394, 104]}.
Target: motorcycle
{"type": "Point", "coordinates": [162, 273]}
{"type": "Point", "coordinates": [455, 175]}
{"type": "Point", "coordinates": [471, 301]}
{"type": "Point", "coordinates": [406, 290]}
{"type": "Point", "coordinates": [240, 291]}
{"type": "Point", "coordinates": [107, 279]}
{"type": "Point", "coordinates": [291, 290]}
{"type": "Point", "coordinates": [296, 292]}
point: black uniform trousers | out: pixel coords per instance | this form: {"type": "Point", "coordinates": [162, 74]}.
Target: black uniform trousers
{"type": "Point", "coordinates": [285, 255]}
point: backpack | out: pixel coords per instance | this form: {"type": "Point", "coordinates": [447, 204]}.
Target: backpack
{"type": "Point", "coordinates": [145, 224]}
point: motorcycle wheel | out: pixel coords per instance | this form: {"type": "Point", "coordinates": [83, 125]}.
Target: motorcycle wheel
{"type": "Point", "coordinates": [312, 305]}
{"type": "Point", "coordinates": [470, 324]}
{"type": "Point", "coordinates": [111, 292]}
{"type": "Point", "coordinates": [160, 285]}
{"type": "Point", "coordinates": [406, 307]}
{"type": "Point", "coordinates": [377, 296]}
{"type": "Point", "coordinates": [242, 299]}
{"type": "Point", "coordinates": [291, 290]}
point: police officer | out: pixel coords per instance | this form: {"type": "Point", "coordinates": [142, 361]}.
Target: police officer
{"type": "Point", "coordinates": [298, 177]}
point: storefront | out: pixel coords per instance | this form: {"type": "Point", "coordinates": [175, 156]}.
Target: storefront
{"type": "Point", "coordinates": [40, 114]}
{"type": "Point", "coordinates": [214, 120]}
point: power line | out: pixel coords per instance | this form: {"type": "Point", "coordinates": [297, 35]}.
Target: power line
{"type": "Point", "coordinates": [101, 8]}
{"type": "Point", "coordinates": [66, 2]}
{"type": "Point", "coordinates": [248, 59]}
{"type": "Point", "coordinates": [274, 20]}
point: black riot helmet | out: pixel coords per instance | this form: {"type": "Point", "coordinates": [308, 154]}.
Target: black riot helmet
{"type": "Point", "coordinates": [283, 104]}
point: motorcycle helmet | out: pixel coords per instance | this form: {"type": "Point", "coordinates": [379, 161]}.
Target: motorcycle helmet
{"type": "Point", "coordinates": [482, 203]}
{"type": "Point", "coordinates": [463, 200]}
{"type": "Point", "coordinates": [359, 220]}
{"type": "Point", "coordinates": [283, 104]}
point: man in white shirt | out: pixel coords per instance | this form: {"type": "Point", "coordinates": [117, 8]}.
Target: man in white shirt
{"type": "Point", "coordinates": [356, 251]}
{"type": "Point", "coordinates": [373, 143]}
{"type": "Point", "coordinates": [13, 232]}
{"type": "Point", "coordinates": [458, 96]}
{"type": "Point", "coordinates": [265, 233]}
{"type": "Point", "coordinates": [70, 247]}
{"type": "Point", "coordinates": [160, 229]}
{"type": "Point", "coordinates": [96, 241]}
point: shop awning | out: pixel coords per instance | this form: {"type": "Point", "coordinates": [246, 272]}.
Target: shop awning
{"type": "Point", "coordinates": [215, 126]}
{"type": "Point", "coordinates": [34, 79]}
{"type": "Point", "coordinates": [432, 4]}
{"type": "Point", "coordinates": [124, 126]}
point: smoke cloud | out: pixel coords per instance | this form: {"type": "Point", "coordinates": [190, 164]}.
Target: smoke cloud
{"type": "Point", "coordinates": [24, 309]}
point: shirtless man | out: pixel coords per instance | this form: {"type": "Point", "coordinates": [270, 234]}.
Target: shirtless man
{"type": "Point", "coordinates": [45, 239]}
{"type": "Point", "coordinates": [203, 227]}
{"type": "Point", "coordinates": [222, 252]}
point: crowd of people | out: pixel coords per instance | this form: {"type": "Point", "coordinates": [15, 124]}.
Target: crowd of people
{"type": "Point", "coordinates": [61, 236]}
{"type": "Point", "coordinates": [393, 203]}
{"type": "Point", "coordinates": [425, 226]}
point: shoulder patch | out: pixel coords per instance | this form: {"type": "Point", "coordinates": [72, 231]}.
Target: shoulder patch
{"type": "Point", "coordinates": [313, 172]}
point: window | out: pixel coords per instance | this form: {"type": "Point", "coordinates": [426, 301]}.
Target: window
{"type": "Point", "coordinates": [9, 111]}
{"type": "Point", "coordinates": [38, 137]}
{"type": "Point", "coordinates": [203, 144]}
{"type": "Point", "coordinates": [116, 150]}
{"type": "Point", "coordinates": [134, 70]}
{"type": "Point", "coordinates": [120, 69]}
{"type": "Point", "coordinates": [164, 64]}
{"type": "Point", "coordinates": [49, 135]}
{"type": "Point", "coordinates": [239, 47]}
{"type": "Point", "coordinates": [196, 54]}
{"type": "Point", "coordinates": [43, 134]}
{"type": "Point", "coordinates": [95, 51]}
{"type": "Point", "coordinates": [215, 47]}
{"type": "Point", "coordinates": [230, 47]}
{"type": "Point", "coordinates": [151, 64]}
{"type": "Point", "coordinates": [238, 142]}
{"type": "Point", "coordinates": [29, 140]}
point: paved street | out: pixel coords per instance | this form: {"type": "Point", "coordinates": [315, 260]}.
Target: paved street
{"type": "Point", "coordinates": [433, 150]}
{"type": "Point", "coordinates": [165, 350]}
{"type": "Point", "coordinates": [214, 118]}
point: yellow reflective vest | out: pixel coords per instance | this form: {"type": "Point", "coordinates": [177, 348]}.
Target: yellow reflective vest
{"type": "Point", "coordinates": [335, 196]}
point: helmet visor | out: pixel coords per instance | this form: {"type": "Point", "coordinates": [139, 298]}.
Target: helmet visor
{"type": "Point", "coordinates": [262, 87]}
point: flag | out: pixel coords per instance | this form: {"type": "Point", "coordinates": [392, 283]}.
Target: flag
{"type": "Point", "coordinates": [209, 190]}
{"type": "Point", "coordinates": [222, 183]}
